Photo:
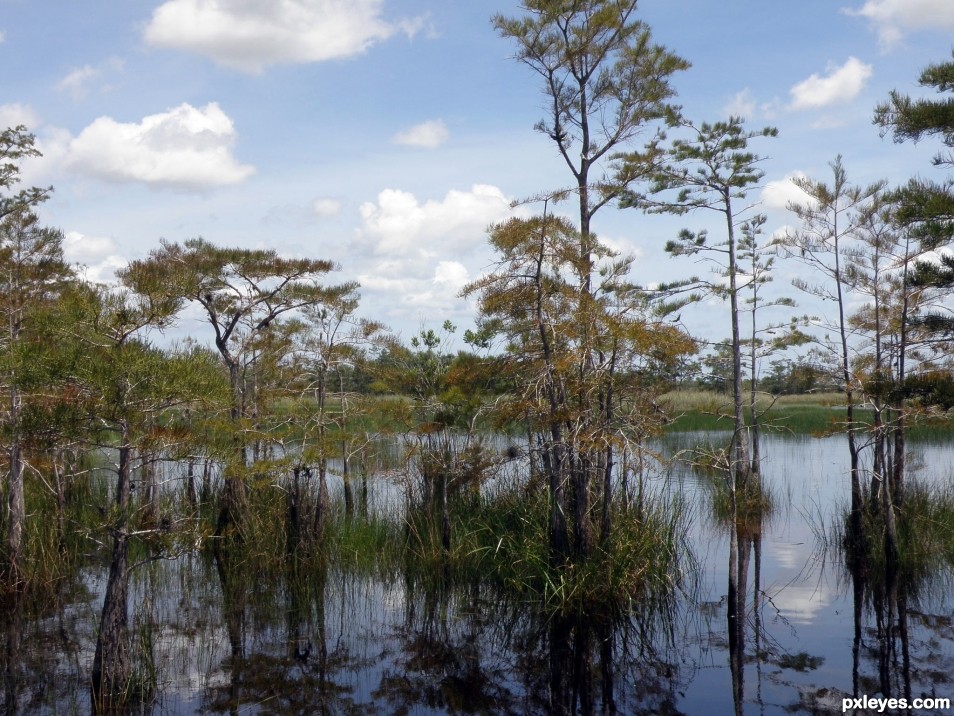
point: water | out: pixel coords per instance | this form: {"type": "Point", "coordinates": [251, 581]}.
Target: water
{"type": "Point", "coordinates": [361, 642]}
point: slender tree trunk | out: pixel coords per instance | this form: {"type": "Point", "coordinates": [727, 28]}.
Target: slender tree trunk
{"type": "Point", "coordinates": [16, 515]}
{"type": "Point", "coordinates": [191, 493]}
{"type": "Point", "coordinates": [111, 664]}
{"type": "Point", "coordinates": [346, 481]}
{"type": "Point", "coordinates": [16, 506]}
{"type": "Point", "coordinates": [554, 451]}
{"type": "Point", "coordinates": [206, 494]}
{"type": "Point", "coordinates": [59, 485]}
{"type": "Point", "coordinates": [846, 376]}
{"type": "Point", "coordinates": [756, 466]}
{"type": "Point", "coordinates": [740, 460]}
{"type": "Point", "coordinates": [234, 498]}
{"type": "Point", "coordinates": [321, 500]}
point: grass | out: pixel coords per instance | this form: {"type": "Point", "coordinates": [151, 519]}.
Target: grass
{"type": "Point", "coordinates": [502, 541]}
{"type": "Point", "coordinates": [925, 530]}
{"type": "Point", "coordinates": [815, 414]}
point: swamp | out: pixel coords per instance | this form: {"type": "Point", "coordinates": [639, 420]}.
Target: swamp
{"type": "Point", "coordinates": [227, 488]}
{"type": "Point", "coordinates": [383, 621]}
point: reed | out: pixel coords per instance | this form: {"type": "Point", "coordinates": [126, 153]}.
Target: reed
{"type": "Point", "coordinates": [501, 541]}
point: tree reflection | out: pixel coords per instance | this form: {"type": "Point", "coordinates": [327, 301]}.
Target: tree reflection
{"type": "Point", "coordinates": [748, 511]}
{"type": "Point", "coordinates": [290, 669]}
{"type": "Point", "coordinates": [469, 650]}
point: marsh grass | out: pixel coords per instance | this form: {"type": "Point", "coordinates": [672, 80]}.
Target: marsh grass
{"type": "Point", "coordinates": [817, 414]}
{"type": "Point", "coordinates": [501, 541]}
{"type": "Point", "coordinates": [754, 505]}
{"type": "Point", "coordinates": [925, 536]}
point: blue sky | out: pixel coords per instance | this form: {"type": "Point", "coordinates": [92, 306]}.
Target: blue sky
{"type": "Point", "coordinates": [388, 135]}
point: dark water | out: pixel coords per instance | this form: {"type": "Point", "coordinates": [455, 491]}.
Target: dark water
{"type": "Point", "coordinates": [808, 634]}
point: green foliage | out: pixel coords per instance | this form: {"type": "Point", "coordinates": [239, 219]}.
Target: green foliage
{"type": "Point", "coordinates": [16, 144]}
{"type": "Point", "coordinates": [604, 78]}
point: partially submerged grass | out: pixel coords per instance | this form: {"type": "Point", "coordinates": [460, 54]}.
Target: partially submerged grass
{"type": "Point", "coordinates": [503, 542]}
{"type": "Point", "coordinates": [806, 414]}
{"type": "Point", "coordinates": [925, 539]}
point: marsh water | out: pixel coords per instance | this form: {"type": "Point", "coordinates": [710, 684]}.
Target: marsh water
{"type": "Point", "coordinates": [809, 633]}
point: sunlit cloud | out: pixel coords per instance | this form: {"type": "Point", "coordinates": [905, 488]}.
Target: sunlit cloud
{"type": "Point", "coordinates": [840, 85]}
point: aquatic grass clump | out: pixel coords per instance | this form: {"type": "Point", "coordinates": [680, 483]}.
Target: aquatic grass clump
{"type": "Point", "coordinates": [925, 538]}
{"type": "Point", "coordinates": [502, 542]}
{"type": "Point", "coordinates": [749, 509]}
{"type": "Point", "coordinates": [367, 545]}
{"type": "Point", "coordinates": [58, 538]}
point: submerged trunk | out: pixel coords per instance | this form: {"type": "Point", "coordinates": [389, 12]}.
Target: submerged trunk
{"type": "Point", "coordinates": [16, 506]}
{"type": "Point", "coordinates": [582, 534]}
{"type": "Point", "coordinates": [346, 480]}
{"type": "Point", "coordinates": [235, 494]}
{"type": "Point", "coordinates": [111, 663]}
{"type": "Point", "coordinates": [191, 493]}
{"type": "Point", "coordinates": [552, 456]}
{"type": "Point", "coordinates": [16, 516]}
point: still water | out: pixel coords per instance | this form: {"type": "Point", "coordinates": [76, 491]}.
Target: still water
{"type": "Point", "coordinates": [809, 635]}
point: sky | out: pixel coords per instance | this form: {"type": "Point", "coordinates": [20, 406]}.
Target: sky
{"type": "Point", "coordinates": [387, 135]}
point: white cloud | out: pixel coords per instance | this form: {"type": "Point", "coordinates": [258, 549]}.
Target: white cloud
{"type": "Point", "coordinates": [428, 135]}
{"type": "Point", "coordinates": [398, 223]}
{"type": "Point", "coordinates": [742, 105]}
{"type": "Point", "coordinates": [3, 37]}
{"type": "Point", "coordinates": [251, 35]}
{"type": "Point", "coordinates": [778, 194]}
{"type": "Point", "coordinates": [77, 81]}
{"type": "Point", "coordinates": [326, 206]}
{"type": "Point", "coordinates": [12, 115]}
{"type": "Point", "coordinates": [452, 274]}
{"type": "Point", "coordinates": [414, 255]}
{"type": "Point", "coordinates": [96, 256]}
{"type": "Point", "coordinates": [185, 147]}
{"type": "Point", "coordinates": [895, 18]}
{"type": "Point", "coordinates": [840, 85]}
{"type": "Point", "coordinates": [82, 248]}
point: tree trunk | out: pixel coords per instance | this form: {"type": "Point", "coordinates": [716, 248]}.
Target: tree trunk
{"type": "Point", "coordinates": [190, 484]}
{"type": "Point", "coordinates": [235, 497]}
{"type": "Point", "coordinates": [16, 516]}
{"type": "Point", "coordinates": [111, 664]}
{"type": "Point", "coordinates": [16, 506]}
{"type": "Point", "coordinates": [740, 460]}
{"type": "Point", "coordinates": [346, 481]}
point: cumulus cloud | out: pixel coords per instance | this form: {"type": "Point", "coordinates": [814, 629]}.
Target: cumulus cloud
{"type": "Point", "coordinates": [428, 135]}
{"type": "Point", "coordinates": [414, 254]}
{"type": "Point", "coordinates": [254, 34]}
{"type": "Point", "coordinates": [841, 84]}
{"type": "Point", "coordinates": [96, 256]}
{"type": "Point", "coordinates": [399, 223]}
{"type": "Point", "coordinates": [896, 18]}
{"type": "Point", "coordinates": [12, 115]}
{"type": "Point", "coordinates": [185, 148]}
{"type": "Point", "coordinates": [779, 194]}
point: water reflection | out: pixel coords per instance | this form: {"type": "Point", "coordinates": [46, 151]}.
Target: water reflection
{"type": "Point", "coordinates": [775, 629]}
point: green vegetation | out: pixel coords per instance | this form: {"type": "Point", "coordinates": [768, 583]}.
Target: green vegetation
{"type": "Point", "coordinates": [265, 448]}
{"type": "Point", "coordinates": [817, 414]}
